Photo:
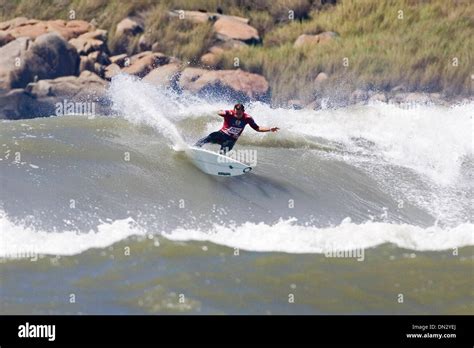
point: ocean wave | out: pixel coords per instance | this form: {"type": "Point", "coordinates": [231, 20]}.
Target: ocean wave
{"type": "Point", "coordinates": [284, 236]}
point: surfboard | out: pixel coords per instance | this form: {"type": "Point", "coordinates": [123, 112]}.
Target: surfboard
{"type": "Point", "coordinates": [216, 164]}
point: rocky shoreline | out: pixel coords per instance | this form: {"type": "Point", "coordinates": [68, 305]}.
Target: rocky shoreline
{"type": "Point", "coordinates": [44, 64]}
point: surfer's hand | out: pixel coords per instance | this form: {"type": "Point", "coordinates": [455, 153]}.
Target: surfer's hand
{"type": "Point", "coordinates": [275, 129]}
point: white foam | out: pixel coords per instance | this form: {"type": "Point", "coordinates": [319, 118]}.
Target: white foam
{"type": "Point", "coordinates": [287, 236]}
{"type": "Point", "coordinates": [18, 239]}
{"type": "Point", "coordinates": [284, 236]}
{"type": "Point", "coordinates": [141, 103]}
{"type": "Point", "coordinates": [431, 140]}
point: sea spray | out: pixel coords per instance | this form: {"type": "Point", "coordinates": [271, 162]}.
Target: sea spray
{"type": "Point", "coordinates": [282, 236]}
{"type": "Point", "coordinates": [141, 103]}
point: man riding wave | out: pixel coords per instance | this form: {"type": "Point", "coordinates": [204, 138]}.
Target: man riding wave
{"type": "Point", "coordinates": [234, 124]}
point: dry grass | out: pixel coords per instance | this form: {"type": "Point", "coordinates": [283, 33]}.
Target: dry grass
{"type": "Point", "coordinates": [383, 51]}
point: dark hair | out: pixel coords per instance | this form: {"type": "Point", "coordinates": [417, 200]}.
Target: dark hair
{"type": "Point", "coordinates": [239, 107]}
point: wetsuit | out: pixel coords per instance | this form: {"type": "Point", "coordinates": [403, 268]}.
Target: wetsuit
{"type": "Point", "coordinates": [230, 131]}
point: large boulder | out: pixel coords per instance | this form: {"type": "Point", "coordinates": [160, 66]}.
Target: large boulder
{"type": "Point", "coordinates": [84, 94]}
{"type": "Point", "coordinates": [210, 59]}
{"type": "Point", "coordinates": [378, 97]}
{"type": "Point", "coordinates": [143, 63]}
{"type": "Point", "coordinates": [87, 83]}
{"type": "Point", "coordinates": [96, 62]}
{"type": "Point", "coordinates": [17, 104]}
{"type": "Point", "coordinates": [359, 96]}
{"type": "Point", "coordinates": [164, 76]}
{"type": "Point", "coordinates": [311, 40]}
{"type": "Point", "coordinates": [192, 16]}
{"type": "Point", "coordinates": [23, 61]}
{"type": "Point", "coordinates": [199, 17]}
{"type": "Point", "coordinates": [227, 84]}
{"type": "Point", "coordinates": [126, 30]}
{"type": "Point", "coordinates": [55, 96]}
{"type": "Point", "coordinates": [5, 37]}
{"type": "Point", "coordinates": [227, 28]}
{"type": "Point", "coordinates": [86, 46]}
{"type": "Point", "coordinates": [32, 28]}
{"type": "Point", "coordinates": [320, 78]}
{"type": "Point", "coordinates": [120, 59]}
{"type": "Point", "coordinates": [129, 26]}
{"type": "Point", "coordinates": [144, 43]}
{"type": "Point", "coordinates": [111, 70]}
{"type": "Point", "coordinates": [90, 42]}
{"type": "Point", "coordinates": [16, 22]}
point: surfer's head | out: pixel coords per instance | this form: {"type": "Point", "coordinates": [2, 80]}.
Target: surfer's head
{"type": "Point", "coordinates": [239, 109]}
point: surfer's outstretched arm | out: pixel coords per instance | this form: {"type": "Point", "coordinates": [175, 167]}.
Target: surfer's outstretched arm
{"type": "Point", "coordinates": [222, 113]}
{"type": "Point", "coordinates": [263, 129]}
{"type": "Point", "coordinates": [257, 128]}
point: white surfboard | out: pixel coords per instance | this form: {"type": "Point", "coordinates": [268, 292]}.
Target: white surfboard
{"type": "Point", "coordinates": [216, 164]}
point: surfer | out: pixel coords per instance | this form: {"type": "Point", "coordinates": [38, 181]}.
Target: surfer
{"type": "Point", "coordinates": [234, 124]}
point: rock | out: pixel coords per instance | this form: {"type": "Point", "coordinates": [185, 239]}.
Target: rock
{"type": "Point", "coordinates": [229, 84]}
{"type": "Point", "coordinates": [51, 97]}
{"type": "Point", "coordinates": [295, 104]}
{"type": "Point", "coordinates": [16, 22]}
{"type": "Point", "coordinates": [200, 17]}
{"type": "Point", "coordinates": [98, 34]}
{"type": "Point", "coordinates": [95, 62]}
{"type": "Point", "coordinates": [71, 86]}
{"type": "Point", "coordinates": [144, 44]}
{"type": "Point", "coordinates": [397, 98]}
{"type": "Point", "coordinates": [210, 59]}
{"type": "Point", "coordinates": [88, 88]}
{"type": "Point", "coordinates": [140, 55]}
{"type": "Point", "coordinates": [84, 46]}
{"type": "Point", "coordinates": [417, 98]}
{"type": "Point", "coordinates": [111, 70]}
{"type": "Point", "coordinates": [320, 78]}
{"type": "Point", "coordinates": [231, 29]}
{"type": "Point", "coordinates": [217, 50]}
{"type": "Point", "coordinates": [90, 42]}
{"type": "Point", "coordinates": [437, 99]}
{"type": "Point", "coordinates": [228, 45]}
{"type": "Point", "coordinates": [86, 63]}
{"type": "Point", "coordinates": [305, 40]}
{"type": "Point", "coordinates": [32, 28]}
{"type": "Point", "coordinates": [314, 105]}
{"type": "Point", "coordinates": [129, 26]}
{"type": "Point", "coordinates": [326, 36]}
{"type": "Point", "coordinates": [5, 37]}
{"type": "Point", "coordinates": [243, 20]}
{"type": "Point", "coordinates": [142, 64]}
{"type": "Point", "coordinates": [49, 56]}
{"type": "Point", "coordinates": [358, 96]}
{"type": "Point", "coordinates": [156, 47]}
{"type": "Point", "coordinates": [69, 29]}
{"type": "Point", "coordinates": [16, 104]}
{"type": "Point", "coordinates": [378, 97]}
{"type": "Point", "coordinates": [190, 75]}
{"type": "Point", "coordinates": [192, 16]}
{"type": "Point", "coordinates": [126, 30]}
{"type": "Point", "coordinates": [398, 89]}
{"type": "Point", "coordinates": [99, 57]}
{"type": "Point", "coordinates": [120, 60]}
{"type": "Point", "coordinates": [164, 76]}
